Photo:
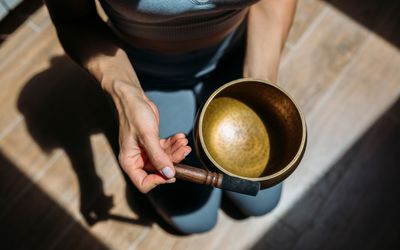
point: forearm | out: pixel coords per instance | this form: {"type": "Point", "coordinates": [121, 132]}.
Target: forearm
{"type": "Point", "coordinates": [269, 22]}
{"type": "Point", "coordinates": [90, 42]}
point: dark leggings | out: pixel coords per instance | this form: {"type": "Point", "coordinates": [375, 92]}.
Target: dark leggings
{"type": "Point", "coordinates": [188, 207]}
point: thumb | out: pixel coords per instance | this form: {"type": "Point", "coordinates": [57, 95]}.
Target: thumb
{"type": "Point", "coordinates": [157, 156]}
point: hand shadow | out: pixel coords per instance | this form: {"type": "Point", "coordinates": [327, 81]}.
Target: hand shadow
{"type": "Point", "coordinates": [62, 107]}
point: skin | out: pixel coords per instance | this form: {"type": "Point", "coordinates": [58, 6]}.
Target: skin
{"type": "Point", "coordinates": [269, 22]}
{"type": "Point", "coordinates": [143, 155]}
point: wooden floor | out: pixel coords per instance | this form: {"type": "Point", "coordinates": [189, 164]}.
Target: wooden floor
{"type": "Point", "coordinates": [341, 64]}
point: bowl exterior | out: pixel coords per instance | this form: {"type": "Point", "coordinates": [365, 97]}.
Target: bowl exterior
{"type": "Point", "coordinates": [265, 181]}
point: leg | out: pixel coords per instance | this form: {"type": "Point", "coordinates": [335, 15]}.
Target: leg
{"type": "Point", "coordinates": [188, 207]}
{"type": "Point", "coordinates": [230, 68]}
{"type": "Point", "coordinates": [265, 201]}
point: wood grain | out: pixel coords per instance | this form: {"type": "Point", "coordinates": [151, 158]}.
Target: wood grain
{"type": "Point", "coordinates": [342, 74]}
{"type": "Point", "coordinates": [328, 49]}
{"type": "Point", "coordinates": [306, 14]}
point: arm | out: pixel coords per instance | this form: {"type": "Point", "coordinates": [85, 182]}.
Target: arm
{"type": "Point", "coordinates": [269, 22]}
{"type": "Point", "coordinates": [88, 40]}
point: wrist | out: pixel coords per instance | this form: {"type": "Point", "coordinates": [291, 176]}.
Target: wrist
{"type": "Point", "coordinates": [113, 72]}
{"type": "Point", "coordinates": [117, 86]}
{"type": "Point", "coordinates": [125, 96]}
{"type": "Point", "coordinates": [266, 72]}
{"type": "Point", "coordinates": [262, 61]}
{"type": "Point", "coordinates": [124, 92]}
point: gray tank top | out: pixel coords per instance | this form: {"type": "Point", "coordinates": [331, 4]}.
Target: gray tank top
{"type": "Point", "coordinates": [174, 20]}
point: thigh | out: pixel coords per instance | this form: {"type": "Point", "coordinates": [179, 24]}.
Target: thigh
{"type": "Point", "coordinates": [229, 68]}
{"type": "Point", "coordinates": [177, 109]}
{"type": "Point", "coordinates": [265, 201]}
{"type": "Point", "coordinates": [189, 207]}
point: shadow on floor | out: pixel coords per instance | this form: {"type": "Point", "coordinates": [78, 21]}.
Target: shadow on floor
{"type": "Point", "coordinates": [62, 107]}
{"type": "Point", "coordinates": [17, 17]}
{"type": "Point", "coordinates": [380, 17]}
{"type": "Point", "coordinates": [355, 205]}
{"type": "Point", "coordinates": [36, 222]}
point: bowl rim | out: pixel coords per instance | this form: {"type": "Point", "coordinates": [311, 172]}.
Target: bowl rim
{"type": "Point", "coordinates": [292, 164]}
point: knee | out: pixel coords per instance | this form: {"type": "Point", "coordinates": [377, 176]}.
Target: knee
{"type": "Point", "coordinates": [269, 201]}
{"type": "Point", "coordinates": [265, 201]}
{"type": "Point", "coordinates": [195, 217]}
{"type": "Point", "coordinates": [191, 224]}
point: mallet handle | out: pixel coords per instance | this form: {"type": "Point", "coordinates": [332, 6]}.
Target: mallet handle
{"type": "Point", "coordinates": [222, 181]}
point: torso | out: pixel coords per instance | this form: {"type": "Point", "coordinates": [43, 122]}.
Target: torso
{"type": "Point", "coordinates": [174, 25]}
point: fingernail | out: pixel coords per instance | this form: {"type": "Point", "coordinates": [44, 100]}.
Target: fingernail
{"type": "Point", "coordinates": [186, 154]}
{"type": "Point", "coordinates": [167, 172]}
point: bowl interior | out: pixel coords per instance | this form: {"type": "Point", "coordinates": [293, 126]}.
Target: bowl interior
{"type": "Point", "coordinates": [251, 129]}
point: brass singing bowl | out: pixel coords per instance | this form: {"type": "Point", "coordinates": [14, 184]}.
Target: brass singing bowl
{"type": "Point", "coordinates": [251, 129]}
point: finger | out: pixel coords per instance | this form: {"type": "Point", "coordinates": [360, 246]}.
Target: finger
{"type": "Point", "coordinates": [179, 136]}
{"type": "Point", "coordinates": [167, 143]}
{"type": "Point", "coordinates": [157, 156]}
{"type": "Point", "coordinates": [179, 144]}
{"type": "Point", "coordinates": [172, 180]}
{"type": "Point", "coordinates": [144, 182]}
{"type": "Point", "coordinates": [181, 153]}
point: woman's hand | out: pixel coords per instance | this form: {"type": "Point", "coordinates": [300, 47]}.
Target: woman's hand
{"type": "Point", "coordinates": [141, 149]}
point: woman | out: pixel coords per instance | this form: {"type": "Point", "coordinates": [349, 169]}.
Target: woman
{"type": "Point", "coordinates": [180, 51]}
